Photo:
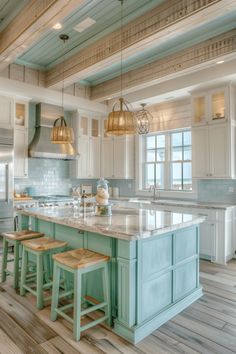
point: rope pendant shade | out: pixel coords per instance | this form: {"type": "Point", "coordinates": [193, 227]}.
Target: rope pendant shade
{"type": "Point", "coordinates": [122, 121]}
{"type": "Point", "coordinates": [61, 133]}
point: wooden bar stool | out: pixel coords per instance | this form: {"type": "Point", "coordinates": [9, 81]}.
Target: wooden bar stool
{"type": "Point", "coordinates": [14, 238]}
{"type": "Point", "coordinates": [42, 248]}
{"type": "Point", "coordinates": [78, 262]}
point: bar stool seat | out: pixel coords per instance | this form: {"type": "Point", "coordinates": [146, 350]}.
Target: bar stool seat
{"type": "Point", "coordinates": [80, 258]}
{"type": "Point", "coordinates": [15, 238]}
{"type": "Point", "coordinates": [42, 248]}
{"type": "Point", "coordinates": [78, 262]}
{"type": "Point", "coordinates": [43, 244]}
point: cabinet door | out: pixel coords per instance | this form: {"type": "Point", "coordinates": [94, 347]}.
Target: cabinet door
{"type": "Point", "coordinates": [218, 105]}
{"type": "Point", "coordinates": [6, 117]}
{"type": "Point", "coordinates": [200, 151]}
{"type": "Point", "coordinates": [21, 153]}
{"type": "Point", "coordinates": [21, 114]}
{"type": "Point", "coordinates": [208, 240]}
{"type": "Point", "coordinates": [83, 164]}
{"type": "Point", "coordinates": [219, 150]}
{"type": "Point", "coordinates": [107, 158]}
{"type": "Point", "coordinates": [95, 160]}
{"type": "Point", "coordinates": [199, 109]}
{"type": "Point", "coordinates": [120, 159]}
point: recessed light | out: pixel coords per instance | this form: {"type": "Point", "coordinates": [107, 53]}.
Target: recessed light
{"type": "Point", "coordinates": [220, 62]}
{"type": "Point", "coordinates": [82, 26]}
{"type": "Point", "coordinates": [57, 26]}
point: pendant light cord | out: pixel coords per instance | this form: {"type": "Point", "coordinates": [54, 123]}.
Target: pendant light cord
{"type": "Point", "coordinates": [63, 67]}
{"type": "Point", "coordinates": [121, 48]}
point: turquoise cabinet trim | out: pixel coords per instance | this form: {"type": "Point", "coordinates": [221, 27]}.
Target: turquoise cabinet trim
{"type": "Point", "coordinates": [185, 279]}
{"type": "Point", "coordinates": [74, 237]}
{"type": "Point", "coordinates": [126, 249]}
{"type": "Point", "coordinates": [185, 244]}
{"type": "Point", "coordinates": [46, 227]}
{"type": "Point", "coordinates": [127, 291]}
{"type": "Point", "coordinates": [100, 243]}
{"type": "Point", "coordinates": [156, 255]}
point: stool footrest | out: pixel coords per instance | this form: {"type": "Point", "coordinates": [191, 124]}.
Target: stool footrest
{"type": "Point", "coordinates": [65, 307]}
{"type": "Point", "coordinates": [62, 314]}
{"type": "Point", "coordinates": [66, 293]}
{"type": "Point", "coordinates": [93, 308]}
{"type": "Point", "coordinates": [93, 323]}
{"type": "Point", "coordinates": [30, 290]}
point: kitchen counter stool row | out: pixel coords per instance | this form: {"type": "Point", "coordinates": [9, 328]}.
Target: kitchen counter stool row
{"type": "Point", "coordinates": [37, 277]}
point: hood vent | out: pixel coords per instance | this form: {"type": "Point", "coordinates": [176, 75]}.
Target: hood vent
{"type": "Point", "coordinates": [41, 146]}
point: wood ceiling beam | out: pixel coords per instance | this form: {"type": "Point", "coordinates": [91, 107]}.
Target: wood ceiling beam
{"type": "Point", "coordinates": [174, 65]}
{"type": "Point", "coordinates": [166, 21]}
{"type": "Point", "coordinates": [37, 17]}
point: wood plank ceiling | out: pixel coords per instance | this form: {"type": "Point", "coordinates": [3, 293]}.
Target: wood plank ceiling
{"type": "Point", "coordinates": [157, 34]}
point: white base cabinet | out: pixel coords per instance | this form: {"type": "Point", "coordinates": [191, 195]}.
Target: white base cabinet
{"type": "Point", "coordinates": [217, 233]}
{"type": "Point", "coordinates": [118, 157]}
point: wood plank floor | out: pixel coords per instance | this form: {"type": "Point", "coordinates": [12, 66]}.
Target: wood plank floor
{"type": "Point", "coordinates": [207, 326]}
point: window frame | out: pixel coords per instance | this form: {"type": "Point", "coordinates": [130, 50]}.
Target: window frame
{"type": "Point", "coordinates": [140, 176]}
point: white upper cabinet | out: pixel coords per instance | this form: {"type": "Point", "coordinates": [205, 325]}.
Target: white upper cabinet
{"type": "Point", "coordinates": [211, 156]}
{"type": "Point", "coordinates": [117, 156]}
{"type": "Point", "coordinates": [210, 107]}
{"type": "Point", "coordinates": [88, 143]}
{"type": "Point", "coordinates": [213, 133]}
{"type": "Point", "coordinates": [21, 139]}
{"type": "Point", "coordinates": [7, 112]}
{"type": "Point", "coordinates": [20, 153]}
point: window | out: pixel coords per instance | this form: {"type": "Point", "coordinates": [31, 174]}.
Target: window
{"type": "Point", "coordinates": [168, 161]}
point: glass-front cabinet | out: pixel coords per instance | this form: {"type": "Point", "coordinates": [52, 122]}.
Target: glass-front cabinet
{"type": "Point", "coordinates": [210, 107]}
{"type": "Point", "coordinates": [21, 115]}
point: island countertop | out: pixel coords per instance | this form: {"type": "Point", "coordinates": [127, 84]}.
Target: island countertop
{"type": "Point", "coordinates": [125, 223]}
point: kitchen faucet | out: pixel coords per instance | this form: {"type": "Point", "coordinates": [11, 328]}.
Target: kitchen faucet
{"type": "Point", "coordinates": [155, 191]}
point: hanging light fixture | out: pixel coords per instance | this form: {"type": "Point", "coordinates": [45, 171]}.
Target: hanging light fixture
{"type": "Point", "coordinates": [121, 120]}
{"type": "Point", "coordinates": [61, 133]}
{"type": "Point", "coordinates": [144, 120]}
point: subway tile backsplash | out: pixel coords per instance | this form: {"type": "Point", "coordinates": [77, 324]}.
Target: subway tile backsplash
{"type": "Point", "coordinates": [50, 177]}
{"type": "Point", "coordinates": [47, 176]}
{"type": "Point", "coordinates": [219, 191]}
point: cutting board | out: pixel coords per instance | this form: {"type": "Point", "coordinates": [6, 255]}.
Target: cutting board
{"type": "Point", "coordinates": [20, 199]}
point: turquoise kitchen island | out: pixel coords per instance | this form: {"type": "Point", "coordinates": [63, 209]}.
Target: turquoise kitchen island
{"type": "Point", "coordinates": [154, 260]}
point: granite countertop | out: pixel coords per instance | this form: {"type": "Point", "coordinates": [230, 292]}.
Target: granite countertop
{"type": "Point", "coordinates": [125, 223]}
{"type": "Point", "coordinates": [180, 203]}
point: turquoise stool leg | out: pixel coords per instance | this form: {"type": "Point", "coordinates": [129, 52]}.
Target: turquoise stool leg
{"type": "Point", "coordinates": [55, 291]}
{"type": "Point", "coordinates": [24, 264]}
{"type": "Point", "coordinates": [16, 265]}
{"type": "Point", "coordinates": [106, 292]}
{"type": "Point", "coordinates": [39, 280]}
{"type": "Point", "coordinates": [4, 259]}
{"type": "Point", "coordinates": [77, 305]}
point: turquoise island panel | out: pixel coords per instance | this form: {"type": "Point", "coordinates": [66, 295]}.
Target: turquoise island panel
{"type": "Point", "coordinates": [151, 279]}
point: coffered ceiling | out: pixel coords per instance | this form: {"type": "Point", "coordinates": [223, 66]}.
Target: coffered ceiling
{"type": "Point", "coordinates": [156, 32]}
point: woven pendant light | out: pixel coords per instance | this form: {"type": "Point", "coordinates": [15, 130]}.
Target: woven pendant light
{"type": "Point", "coordinates": [121, 121]}
{"type": "Point", "coordinates": [61, 133]}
